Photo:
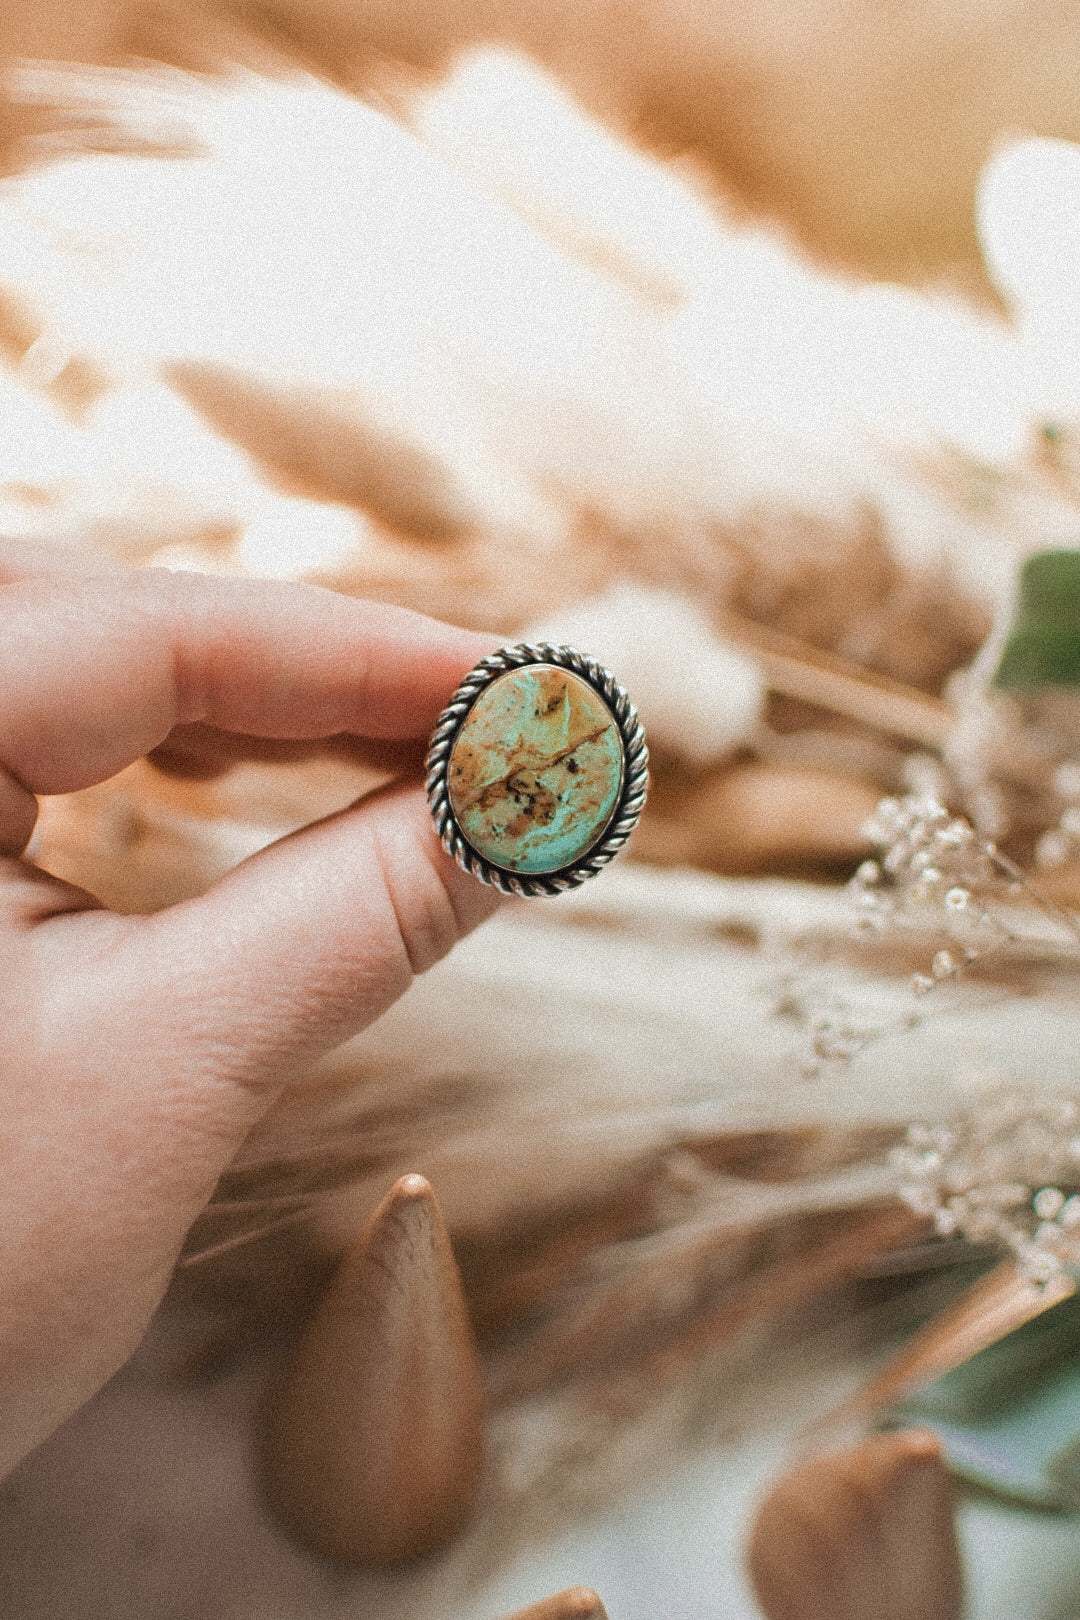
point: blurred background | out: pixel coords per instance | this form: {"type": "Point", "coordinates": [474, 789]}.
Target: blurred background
{"type": "Point", "coordinates": [737, 345]}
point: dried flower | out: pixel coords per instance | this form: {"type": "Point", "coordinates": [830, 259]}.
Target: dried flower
{"type": "Point", "coordinates": [1006, 1172]}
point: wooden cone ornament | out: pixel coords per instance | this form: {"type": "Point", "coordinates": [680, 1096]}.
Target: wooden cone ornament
{"type": "Point", "coordinates": [576, 1603]}
{"type": "Point", "coordinates": [864, 1534]}
{"type": "Point", "coordinates": [373, 1443]}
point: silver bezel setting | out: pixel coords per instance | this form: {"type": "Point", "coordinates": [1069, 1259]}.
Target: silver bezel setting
{"type": "Point", "coordinates": [635, 770]}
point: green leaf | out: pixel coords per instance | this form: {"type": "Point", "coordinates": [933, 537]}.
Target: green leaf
{"type": "Point", "coordinates": [1009, 1418]}
{"type": "Point", "coordinates": [1043, 645]}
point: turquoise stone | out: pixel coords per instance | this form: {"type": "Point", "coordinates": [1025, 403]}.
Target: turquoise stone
{"type": "Point", "coordinates": [536, 770]}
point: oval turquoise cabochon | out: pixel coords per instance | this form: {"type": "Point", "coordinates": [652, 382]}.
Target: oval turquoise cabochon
{"type": "Point", "coordinates": [536, 769]}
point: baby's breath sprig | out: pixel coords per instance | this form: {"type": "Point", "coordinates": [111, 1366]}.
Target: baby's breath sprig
{"type": "Point", "coordinates": [934, 875]}
{"type": "Point", "coordinates": [932, 866]}
{"type": "Point", "coordinates": [936, 869]}
{"type": "Point", "coordinates": [1006, 1171]}
{"type": "Point", "coordinates": [1061, 842]}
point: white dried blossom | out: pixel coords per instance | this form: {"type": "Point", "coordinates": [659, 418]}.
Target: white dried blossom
{"type": "Point", "coordinates": [1003, 1172]}
{"type": "Point", "coordinates": [934, 871]}
{"type": "Point", "coordinates": [1067, 779]}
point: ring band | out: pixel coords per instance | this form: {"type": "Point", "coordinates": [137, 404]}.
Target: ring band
{"type": "Point", "coordinates": [537, 770]}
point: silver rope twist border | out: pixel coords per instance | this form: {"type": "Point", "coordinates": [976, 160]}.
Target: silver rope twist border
{"type": "Point", "coordinates": [635, 772]}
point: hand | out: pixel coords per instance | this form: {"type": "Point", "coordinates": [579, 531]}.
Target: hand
{"type": "Point", "coordinates": [139, 1051]}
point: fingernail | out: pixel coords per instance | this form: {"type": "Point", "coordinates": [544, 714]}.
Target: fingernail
{"type": "Point", "coordinates": [576, 1603]}
{"type": "Point", "coordinates": [373, 1442]}
{"type": "Point", "coordinates": [866, 1531]}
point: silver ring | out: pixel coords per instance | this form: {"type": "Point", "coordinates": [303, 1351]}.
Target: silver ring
{"type": "Point", "coordinates": [486, 847]}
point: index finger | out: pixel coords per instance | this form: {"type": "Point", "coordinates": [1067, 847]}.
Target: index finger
{"type": "Point", "coordinates": [95, 671]}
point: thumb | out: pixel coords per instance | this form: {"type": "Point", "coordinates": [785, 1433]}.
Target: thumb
{"type": "Point", "coordinates": [143, 1049]}
{"type": "Point", "coordinates": [307, 942]}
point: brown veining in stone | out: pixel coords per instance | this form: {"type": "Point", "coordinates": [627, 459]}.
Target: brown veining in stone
{"type": "Point", "coordinates": [536, 771]}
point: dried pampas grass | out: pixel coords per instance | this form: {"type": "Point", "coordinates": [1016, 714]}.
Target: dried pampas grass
{"type": "Point", "coordinates": [811, 116]}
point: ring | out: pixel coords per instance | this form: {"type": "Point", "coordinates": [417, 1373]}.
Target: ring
{"type": "Point", "coordinates": [537, 770]}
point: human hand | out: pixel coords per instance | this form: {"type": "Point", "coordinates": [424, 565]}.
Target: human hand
{"type": "Point", "coordinates": [140, 1050]}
